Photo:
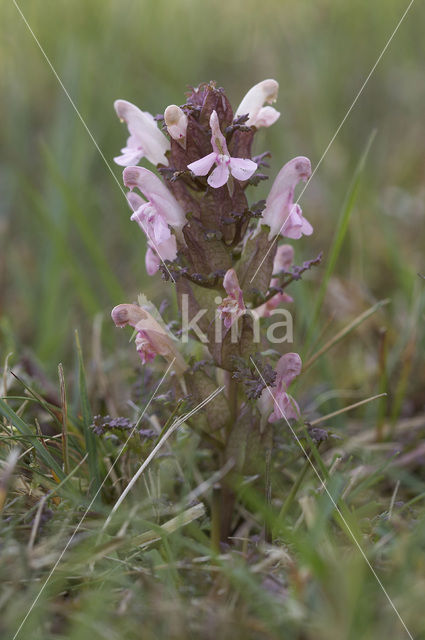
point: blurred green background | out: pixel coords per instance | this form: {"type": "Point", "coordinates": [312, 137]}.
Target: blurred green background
{"type": "Point", "coordinates": [68, 249]}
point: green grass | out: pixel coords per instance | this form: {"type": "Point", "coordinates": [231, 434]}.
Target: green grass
{"type": "Point", "coordinates": [68, 254]}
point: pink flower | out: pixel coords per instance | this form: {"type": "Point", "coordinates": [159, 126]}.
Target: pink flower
{"type": "Point", "coordinates": [162, 243]}
{"type": "Point", "coordinates": [145, 140]}
{"type": "Point", "coordinates": [176, 121]}
{"type": "Point", "coordinates": [233, 306]}
{"type": "Point", "coordinates": [240, 168]}
{"type": "Point", "coordinates": [252, 104]}
{"type": "Point", "coordinates": [283, 260]}
{"type": "Point", "coordinates": [280, 213]}
{"type": "Point", "coordinates": [281, 404]}
{"type": "Point", "coordinates": [151, 339]}
{"type": "Point", "coordinates": [161, 199]}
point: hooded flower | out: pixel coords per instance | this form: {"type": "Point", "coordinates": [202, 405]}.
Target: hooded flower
{"type": "Point", "coordinates": [162, 243]}
{"type": "Point", "coordinates": [253, 101]}
{"type": "Point", "coordinates": [151, 338]}
{"type": "Point", "coordinates": [280, 213]}
{"type": "Point", "coordinates": [233, 306]}
{"type": "Point", "coordinates": [240, 168]}
{"type": "Point", "coordinates": [276, 403]}
{"type": "Point", "coordinates": [160, 198]}
{"type": "Point", "coordinates": [145, 140]}
{"type": "Point", "coordinates": [283, 260]}
{"type": "Point", "coordinates": [176, 121]}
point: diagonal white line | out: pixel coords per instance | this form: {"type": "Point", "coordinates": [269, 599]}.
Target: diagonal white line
{"type": "Point", "coordinates": [155, 450]}
{"type": "Point", "coordinates": [337, 509]}
{"type": "Point", "coordinates": [83, 122]}
{"type": "Point", "coordinates": [337, 131]}
{"type": "Point", "coordinates": [53, 569]}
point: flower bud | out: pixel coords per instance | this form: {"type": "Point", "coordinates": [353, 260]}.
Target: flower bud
{"type": "Point", "coordinates": [176, 121]}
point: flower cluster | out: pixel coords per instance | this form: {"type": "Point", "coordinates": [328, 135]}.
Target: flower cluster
{"type": "Point", "coordinates": [222, 254]}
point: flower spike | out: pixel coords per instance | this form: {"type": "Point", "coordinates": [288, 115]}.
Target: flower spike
{"type": "Point", "coordinates": [239, 168]}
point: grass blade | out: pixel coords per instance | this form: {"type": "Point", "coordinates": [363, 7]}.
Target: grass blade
{"type": "Point", "coordinates": [89, 436]}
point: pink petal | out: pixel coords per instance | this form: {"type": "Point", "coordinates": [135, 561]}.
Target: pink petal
{"type": "Point", "coordinates": [306, 228]}
{"type": "Point", "coordinates": [134, 200]}
{"type": "Point", "coordinates": [242, 169]}
{"type": "Point", "coordinates": [158, 227]}
{"type": "Point", "coordinates": [168, 248]}
{"type": "Point", "coordinates": [202, 166]}
{"type": "Point", "coordinates": [292, 226]}
{"type": "Point", "coordinates": [219, 176]}
{"type": "Point", "coordinates": [131, 154]}
{"type": "Point", "coordinates": [286, 408]}
{"type": "Point", "coordinates": [266, 117]}
{"type": "Point", "coordinates": [144, 347]}
{"type": "Point", "coordinates": [233, 306]}
{"type": "Point", "coordinates": [152, 261]}
{"type": "Point", "coordinates": [296, 225]}
{"type": "Point", "coordinates": [231, 283]}
{"type": "Point", "coordinates": [288, 367]}
{"type": "Point", "coordinates": [218, 141]}
{"type": "Point", "coordinates": [284, 258]}
{"type": "Point", "coordinates": [288, 177]}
